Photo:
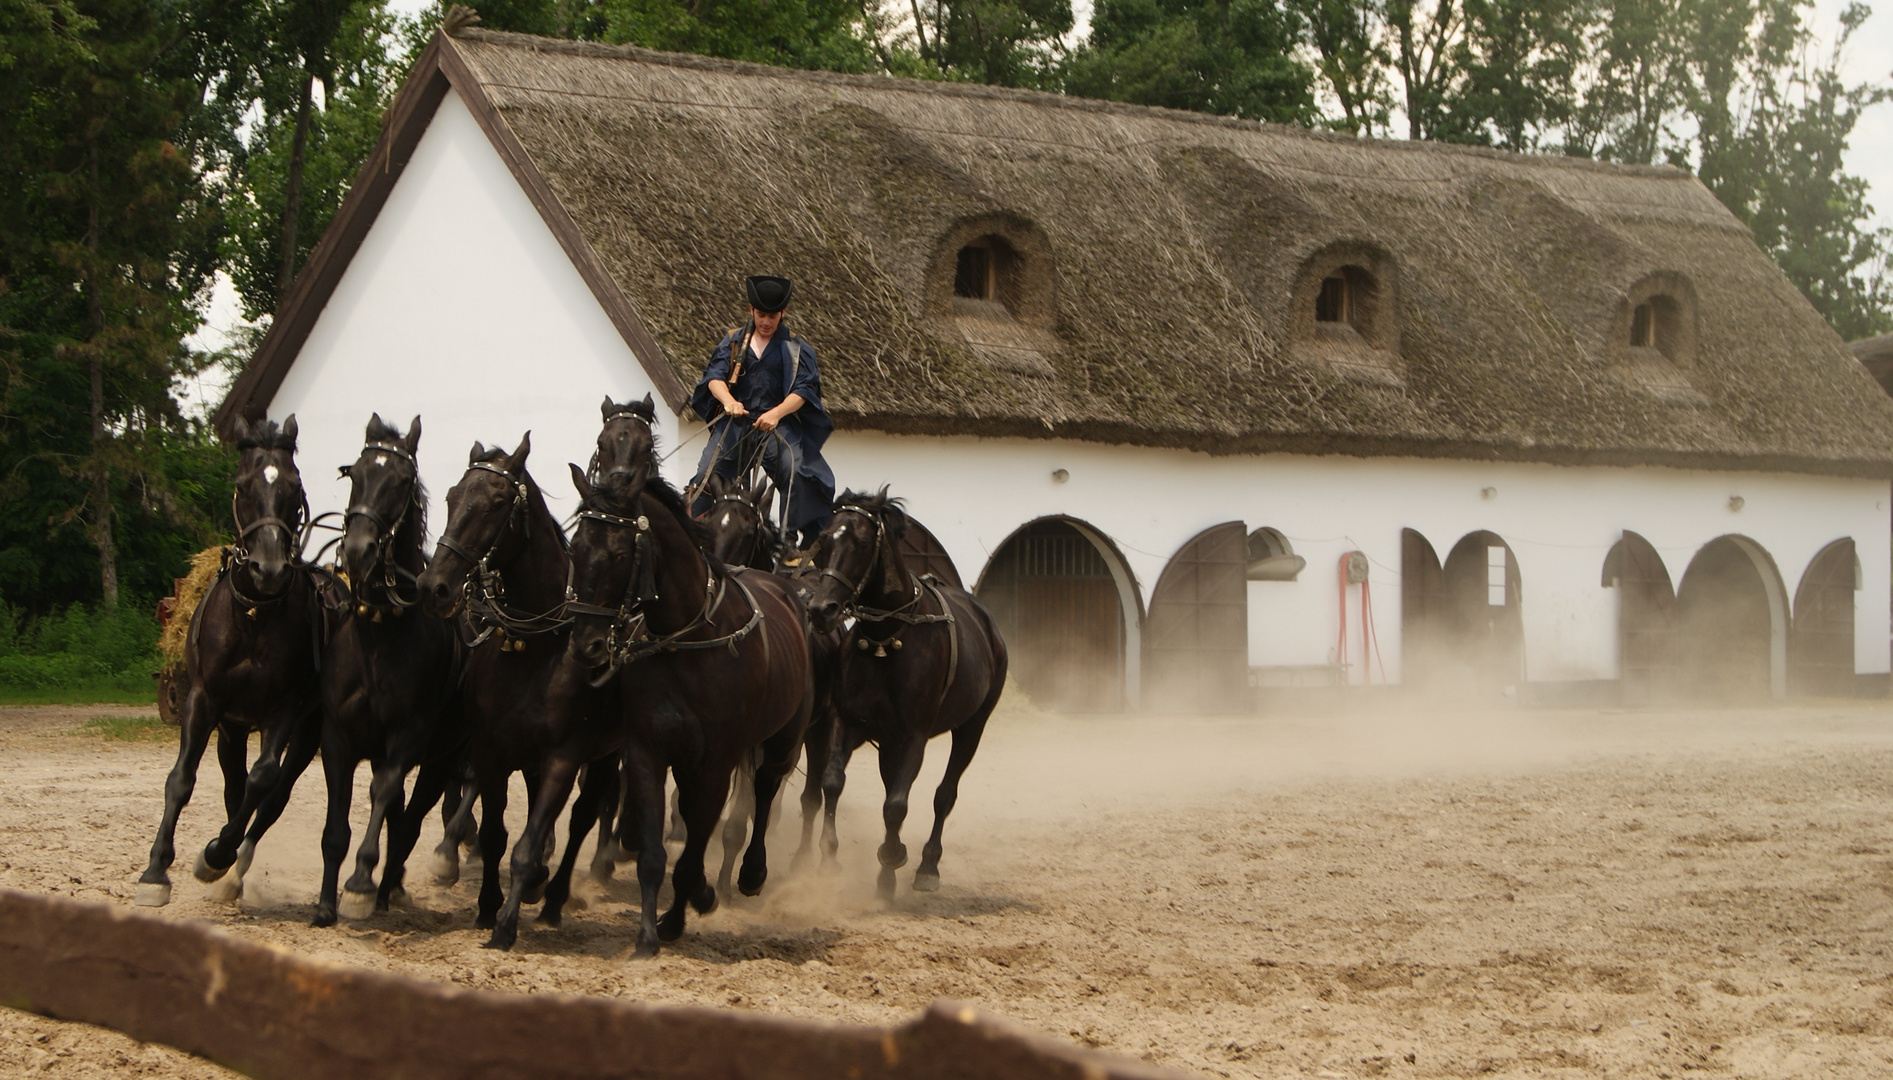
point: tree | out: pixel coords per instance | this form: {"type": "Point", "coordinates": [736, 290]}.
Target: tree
{"type": "Point", "coordinates": [1345, 36]}
{"type": "Point", "coordinates": [1231, 57]}
{"type": "Point", "coordinates": [815, 34]}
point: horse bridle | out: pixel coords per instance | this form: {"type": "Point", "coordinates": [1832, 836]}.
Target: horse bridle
{"type": "Point", "coordinates": [239, 551]}
{"type": "Point", "coordinates": [882, 550]}
{"type": "Point", "coordinates": [516, 512]}
{"type": "Point", "coordinates": [483, 594]}
{"type": "Point", "coordinates": [385, 530]}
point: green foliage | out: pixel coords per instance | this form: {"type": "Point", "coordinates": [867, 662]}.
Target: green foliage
{"type": "Point", "coordinates": [1232, 57]}
{"type": "Point", "coordinates": [820, 34]}
{"type": "Point", "coordinates": [79, 653]}
{"type": "Point", "coordinates": [127, 729]}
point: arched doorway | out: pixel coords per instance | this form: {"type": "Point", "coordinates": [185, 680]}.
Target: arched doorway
{"type": "Point", "coordinates": [1196, 638]}
{"type": "Point", "coordinates": [1422, 608]}
{"type": "Point", "coordinates": [1484, 630]}
{"type": "Point", "coordinates": [1068, 609]}
{"type": "Point", "coordinates": [924, 554]}
{"type": "Point", "coordinates": [1821, 650]}
{"type": "Point", "coordinates": [1646, 620]}
{"type": "Point", "coordinates": [1731, 623]}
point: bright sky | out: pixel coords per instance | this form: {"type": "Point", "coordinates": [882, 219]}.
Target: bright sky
{"type": "Point", "coordinates": [1869, 57]}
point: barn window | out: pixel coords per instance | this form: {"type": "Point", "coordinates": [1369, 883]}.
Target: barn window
{"type": "Point", "coordinates": [1345, 316]}
{"type": "Point", "coordinates": [1270, 558]}
{"type": "Point", "coordinates": [1331, 304]}
{"type": "Point", "coordinates": [973, 278]}
{"type": "Point", "coordinates": [1643, 326]}
{"type": "Point", "coordinates": [1495, 576]}
{"type": "Point", "coordinates": [1347, 300]}
{"type": "Point", "coordinates": [1654, 340]}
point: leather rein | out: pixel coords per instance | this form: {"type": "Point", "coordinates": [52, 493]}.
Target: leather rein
{"type": "Point", "coordinates": [483, 594]}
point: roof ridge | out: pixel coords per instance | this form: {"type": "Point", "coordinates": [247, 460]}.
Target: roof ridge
{"type": "Point", "coordinates": [693, 61]}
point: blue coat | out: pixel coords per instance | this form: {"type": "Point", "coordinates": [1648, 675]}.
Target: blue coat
{"type": "Point", "coordinates": [762, 385]}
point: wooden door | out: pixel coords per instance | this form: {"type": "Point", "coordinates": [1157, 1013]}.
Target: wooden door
{"type": "Point", "coordinates": [1196, 635]}
{"type": "Point", "coordinates": [924, 555]}
{"type": "Point", "coordinates": [1646, 622]}
{"type": "Point", "coordinates": [1821, 648]}
{"type": "Point", "coordinates": [1072, 640]}
{"type": "Point", "coordinates": [1423, 605]}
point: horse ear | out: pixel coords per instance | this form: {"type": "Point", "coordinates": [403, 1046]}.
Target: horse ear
{"type": "Point", "coordinates": [477, 452]}
{"type": "Point", "coordinates": [516, 461]}
{"type": "Point", "coordinates": [289, 432]}
{"type": "Point", "coordinates": [414, 435]}
{"type": "Point", "coordinates": [646, 408]}
{"type": "Point", "coordinates": [241, 429]}
{"type": "Point", "coordinates": [376, 422]}
{"type": "Point", "coordinates": [345, 471]}
{"type": "Point", "coordinates": [607, 408]}
{"type": "Point", "coordinates": [583, 485]}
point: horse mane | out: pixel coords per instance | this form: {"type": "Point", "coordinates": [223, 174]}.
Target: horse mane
{"type": "Point", "coordinates": [267, 435]}
{"type": "Point", "coordinates": [892, 510]}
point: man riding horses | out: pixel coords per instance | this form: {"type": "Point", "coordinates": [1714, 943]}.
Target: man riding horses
{"type": "Point", "coordinates": [761, 393]}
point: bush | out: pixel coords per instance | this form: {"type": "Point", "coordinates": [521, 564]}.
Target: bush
{"type": "Point", "coordinates": [80, 652]}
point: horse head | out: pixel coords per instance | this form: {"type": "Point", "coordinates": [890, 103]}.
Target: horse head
{"type": "Point", "coordinates": [267, 506]}
{"type": "Point", "coordinates": [482, 512]}
{"type": "Point", "coordinates": [626, 457]}
{"type": "Point", "coordinates": [857, 557]}
{"type": "Point", "coordinates": [739, 529]}
{"type": "Point", "coordinates": [385, 500]}
{"type": "Point", "coordinates": [605, 555]}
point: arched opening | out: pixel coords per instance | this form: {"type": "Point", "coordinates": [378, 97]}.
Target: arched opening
{"type": "Point", "coordinates": [1345, 312]}
{"type": "Point", "coordinates": [1271, 557]}
{"type": "Point", "coordinates": [1422, 608]}
{"type": "Point", "coordinates": [1646, 620]}
{"type": "Point", "coordinates": [1731, 623]}
{"type": "Point", "coordinates": [1196, 638]}
{"type": "Point", "coordinates": [1484, 630]}
{"type": "Point", "coordinates": [1653, 338]}
{"type": "Point", "coordinates": [1067, 605]}
{"type": "Point", "coordinates": [1821, 651]}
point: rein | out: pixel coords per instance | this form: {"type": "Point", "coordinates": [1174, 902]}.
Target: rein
{"type": "Point", "coordinates": [627, 640]}
{"type": "Point", "coordinates": [385, 531]}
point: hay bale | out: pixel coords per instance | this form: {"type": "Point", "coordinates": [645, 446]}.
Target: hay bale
{"type": "Point", "coordinates": [190, 592]}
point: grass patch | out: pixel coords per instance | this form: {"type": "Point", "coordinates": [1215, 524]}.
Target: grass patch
{"type": "Point", "coordinates": [127, 729]}
{"type": "Point", "coordinates": [103, 693]}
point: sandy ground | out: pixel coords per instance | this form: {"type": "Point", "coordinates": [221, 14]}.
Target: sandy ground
{"type": "Point", "coordinates": [1397, 893]}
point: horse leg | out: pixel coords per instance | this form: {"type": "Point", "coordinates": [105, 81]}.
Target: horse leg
{"type": "Point", "coordinates": [455, 829]}
{"type": "Point", "coordinates": [610, 791]}
{"type": "Point", "coordinates": [820, 743]}
{"type": "Point", "coordinates": [404, 830]}
{"type": "Point", "coordinates": [701, 798]}
{"type": "Point", "coordinates": [833, 778]}
{"type": "Point", "coordinates": [233, 760]}
{"type": "Point", "coordinates": [630, 830]}
{"type": "Point", "coordinates": [384, 804]}
{"type": "Point", "coordinates": [554, 784]}
{"type": "Point", "coordinates": [535, 889]}
{"type": "Point", "coordinates": [742, 806]}
{"type": "Point", "coordinates": [338, 768]}
{"type": "Point", "coordinates": [778, 753]}
{"type": "Point", "coordinates": [644, 789]}
{"type": "Point", "coordinates": [593, 783]}
{"type": "Point", "coordinates": [965, 742]}
{"type": "Point", "coordinates": [679, 832]}
{"type": "Point", "coordinates": [900, 763]}
{"type": "Point", "coordinates": [492, 846]}
{"type": "Point", "coordinates": [305, 736]}
{"type": "Point", "coordinates": [154, 885]}
{"type": "Point", "coordinates": [229, 847]}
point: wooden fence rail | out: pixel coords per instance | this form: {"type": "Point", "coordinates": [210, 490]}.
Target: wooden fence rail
{"type": "Point", "coordinates": [274, 1015]}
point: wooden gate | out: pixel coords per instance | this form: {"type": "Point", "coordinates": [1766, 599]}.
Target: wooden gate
{"type": "Point", "coordinates": [1821, 648]}
{"type": "Point", "coordinates": [1053, 596]}
{"type": "Point", "coordinates": [1646, 621]}
{"type": "Point", "coordinates": [1484, 627]}
{"type": "Point", "coordinates": [1423, 605]}
{"type": "Point", "coordinates": [924, 555]}
{"type": "Point", "coordinates": [1196, 634]}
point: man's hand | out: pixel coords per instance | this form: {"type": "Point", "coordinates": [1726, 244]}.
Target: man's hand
{"type": "Point", "coordinates": [767, 421]}
{"type": "Point", "coordinates": [733, 407]}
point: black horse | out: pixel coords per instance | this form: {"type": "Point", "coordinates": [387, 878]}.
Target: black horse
{"type": "Point", "coordinates": [390, 677]}
{"type": "Point", "coordinates": [741, 534]}
{"type": "Point", "coordinates": [501, 568]}
{"type": "Point", "coordinates": [250, 659]}
{"type": "Point", "coordinates": [923, 658]}
{"type": "Point", "coordinates": [711, 663]}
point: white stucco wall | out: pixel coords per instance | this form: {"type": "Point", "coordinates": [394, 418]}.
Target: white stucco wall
{"type": "Point", "coordinates": [462, 307]}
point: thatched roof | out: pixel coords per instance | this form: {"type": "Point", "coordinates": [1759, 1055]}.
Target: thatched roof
{"type": "Point", "coordinates": [1176, 257]}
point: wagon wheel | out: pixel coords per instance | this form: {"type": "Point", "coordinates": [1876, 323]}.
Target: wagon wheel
{"type": "Point", "coordinates": [171, 687]}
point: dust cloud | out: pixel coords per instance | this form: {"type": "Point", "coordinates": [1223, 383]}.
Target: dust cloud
{"type": "Point", "coordinates": [1398, 888]}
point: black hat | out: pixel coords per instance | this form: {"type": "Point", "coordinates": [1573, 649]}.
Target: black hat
{"type": "Point", "coordinates": [767, 293]}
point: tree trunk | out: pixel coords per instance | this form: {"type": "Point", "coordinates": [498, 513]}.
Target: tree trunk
{"type": "Point", "coordinates": [292, 191]}
{"type": "Point", "coordinates": [101, 477]}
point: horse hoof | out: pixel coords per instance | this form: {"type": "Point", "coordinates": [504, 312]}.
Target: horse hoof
{"type": "Point", "coordinates": [399, 899]}
{"type": "Point", "coordinates": [152, 894]}
{"type": "Point", "coordinates": [670, 927]}
{"type": "Point", "coordinates": [205, 872]}
{"type": "Point", "coordinates": [577, 903]}
{"type": "Point", "coordinates": [603, 869]}
{"type": "Point", "coordinates": [500, 942]}
{"type": "Point", "coordinates": [533, 894]}
{"type": "Point", "coordinates": [227, 889]}
{"type": "Point", "coordinates": [704, 902]}
{"type": "Point", "coordinates": [550, 918]}
{"type": "Point", "coordinates": [356, 905]}
{"type": "Point", "coordinates": [751, 886]}
{"type": "Point", "coordinates": [446, 869]}
{"type": "Point", "coordinates": [646, 950]}
{"type": "Point", "coordinates": [324, 916]}
{"type": "Point", "coordinates": [884, 885]}
{"type": "Point", "coordinates": [926, 882]}
{"type": "Point", "coordinates": [893, 856]}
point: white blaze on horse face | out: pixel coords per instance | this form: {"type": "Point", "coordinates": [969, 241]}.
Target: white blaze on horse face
{"type": "Point", "coordinates": [726, 519]}
{"type": "Point", "coordinates": [381, 459]}
{"type": "Point", "coordinates": [270, 473]}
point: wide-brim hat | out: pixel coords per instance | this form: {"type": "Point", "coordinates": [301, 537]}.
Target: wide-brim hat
{"type": "Point", "coordinates": [768, 293]}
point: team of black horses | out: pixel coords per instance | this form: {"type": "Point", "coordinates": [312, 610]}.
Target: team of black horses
{"type": "Point", "coordinates": [646, 645]}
